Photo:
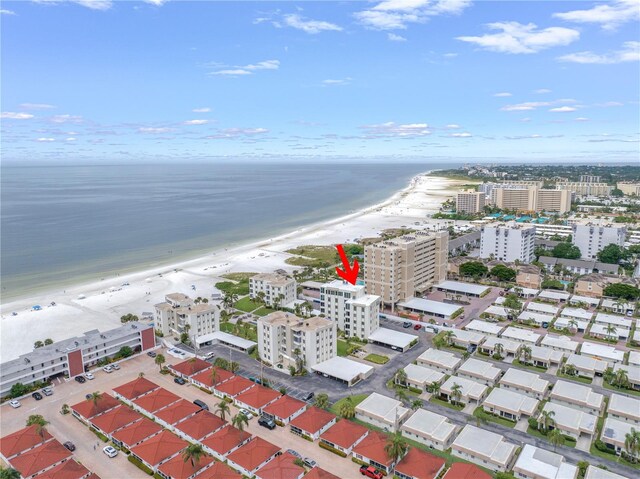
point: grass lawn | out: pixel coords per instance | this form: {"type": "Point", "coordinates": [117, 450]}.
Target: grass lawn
{"type": "Point", "coordinates": [482, 414]}
{"type": "Point", "coordinates": [457, 407]}
{"type": "Point", "coordinates": [343, 346]}
{"type": "Point", "coordinates": [376, 358]}
{"type": "Point", "coordinates": [356, 399]}
{"type": "Point", "coordinates": [247, 305]}
{"type": "Point", "coordinates": [240, 288]}
{"type": "Point", "coordinates": [537, 369]}
{"type": "Point", "coordinates": [580, 379]}
{"type": "Point", "coordinates": [568, 441]}
{"type": "Point", "coordinates": [263, 311]}
{"type": "Point", "coordinates": [247, 331]}
{"type": "Point", "coordinates": [611, 457]}
{"type": "Point", "coordinates": [238, 276]}
{"type": "Point", "coordinates": [633, 392]}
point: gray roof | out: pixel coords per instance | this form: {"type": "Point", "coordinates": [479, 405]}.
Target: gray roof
{"type": "Point", "coordinates": [463, 240]}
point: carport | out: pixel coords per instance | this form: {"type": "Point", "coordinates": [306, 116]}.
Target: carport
{"type": "Point", "coordinates": [396, 340]}
{"type": "Point", "coordinates": [344, 370]}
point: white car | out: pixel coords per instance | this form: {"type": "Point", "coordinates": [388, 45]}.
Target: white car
{"type": "Point", "coordinates": [115, 366]}
{"type": "Point", "coordinates": [89, 376]}
{"type": "Point", "coordinates": [246, 413]}
{"type": "Point", "coordinates": [110, 451]}
{"type": "Point", "coordinates": [107, 369]}
{"type": "Point", "coordinates": [15, 404]}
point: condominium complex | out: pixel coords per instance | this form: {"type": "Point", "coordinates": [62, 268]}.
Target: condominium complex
{"type": "Point", "coordinates": [532, 199]}
{"type": "Point", "coordinates": [287, 340]}
{"type": "Point", "coordinates": [180, 314]}
{"type": "Point", "coordinates": [585, 188]}
{"type": "Point", "coordinates": [589, 179]}
{"type": "Point", "coordinates": [629, 188]}
{"type": "Point", "coordinates": [470, 202]}
{"type": "Point", "coordinates": [276, 288]}
{"type": "Point", "coordinates": [592, 239]}
{"type": "Point", "coordinates": [398, 268]}
{"type": "Point", "coordinates": [71, 356]}
{"type": "Point", "coordinates": [506, 243]}
{"type": "Point", "coordinates": [489, 188]}
{"type": "Point", "coordinates": [355, 312]}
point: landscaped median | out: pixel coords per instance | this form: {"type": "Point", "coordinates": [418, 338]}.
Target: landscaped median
{"type": "Point", "coordinates": [376, 358]}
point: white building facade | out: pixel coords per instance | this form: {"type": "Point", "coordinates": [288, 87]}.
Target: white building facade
{"type": "Point", "coordinates": [592, 239]}
{"type": "Point", "coordinates": [506, 243]}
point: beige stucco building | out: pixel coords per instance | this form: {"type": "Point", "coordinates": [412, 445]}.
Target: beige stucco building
{"type": "Point", "coordinates": [277, 288]}
{"type": "Point", "coordinates": [179, 314]}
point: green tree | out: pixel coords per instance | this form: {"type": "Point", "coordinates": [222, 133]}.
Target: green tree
{"type": "Point", "coordinates": [621, 290]}
{"type": "Point", "coordinates": [396, 447]}
{"type": "Point", "coordinates": [400, 377]}
{"type": "Point", "coordinates": [546, 420]}
{"type": "Point", "coordinates": [39, 421]}
{"type": "Point", "coordinates": [347, 408]}
{"type": "Point", "coordinates": [632, 442]}
{"type": "Point", "coordinates": [456, 393]}
{"type": "Point", "coordinates": [193, 453]}
{"type": "Point", "coordinates": [125, 352]}
{"type": "Point", "coordinates": [474, 269]}
{"type": "Point", "coordinates": [416, 404]}
{"type": "Point", "coordinates": [617, 193]}
{"type": "Point", "coordinates": [95, 397]}
{"type": "Point", "coordinates": [498, 350]}
{"type": "Point", "coordinates": [17, 390]}
{"type": "Point", "coordinates": [128, 318]}
{"type": "Point", "coordinates": [434, 388]}
{"type": "Point", "coordinates": [582, 468]}
{"type": "Point", "coordinates": [503, 273]}
{"type": "Point", "coordinates": [240, 421]}
{"type": "Point", "coordinates": [9, 473]}
{"type": "Point", "coordinates": [222, 409]}
{"type": "Point", "coordinates": [38, 344]}
{"type": "Point", "coordinates": [160, 360]}
{"type": "Point", "coordinates": [321, 401]}
{"type": "Point", "coordinates": [566, 250]}
{"type": "Point", "coordinates": [556, 438]}
{"type": "Point", "coordinates": [512, 302]}
{"type": "Point", "coordinates": [612, 254]}
{"type": "Point", "coordinates": [48, 341]}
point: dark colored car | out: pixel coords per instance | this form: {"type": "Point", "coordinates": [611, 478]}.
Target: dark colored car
{"type": "Point", "coordinates": [151, 354]}
{"type": "Point", "coordinates": [266, 422]}
{"type": "Point", "coordinates": [37, 396]}
{"type": "Point", "coordinates": [406, 324]}
{"type": "Point", "coordinates": [179, 381]}
{"type": "Point", "coordinates": [201, 404]}
{"type": "Point", "coordinates": [309, 396]}
{"type": "Point", "coordinates": [294, 453]}
{"type": "Point", "coordinates": [371, 472]}
{"type": "Point", "coordinates": [80, 379]}
{"type": "Point", "coordinates": [417, 327]}
{"type": "Point", "coordinates": [88, 396]}
{"type": "Point", "coordinates": [70, 446]}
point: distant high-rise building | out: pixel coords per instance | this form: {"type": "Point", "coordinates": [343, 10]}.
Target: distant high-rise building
{"type": "Point", "coordinates": [532, 199]}
{"type": "Point", "coordinates": [508, 243]}
{"type": "Point", "coordinates": [589, 179]}
{"type": "Point", "coordinates": [470, 202]}
{"type": "Point", "coordinates": [355, 312]}
{"type": "Point", "coordinates": [592, 239]}
{"type": "Point", "coordinates": [629, 188]}
{"type": "Point", "coordinates": [586, 188]}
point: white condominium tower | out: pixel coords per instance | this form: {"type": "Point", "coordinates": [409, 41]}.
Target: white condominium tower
{"type": "Point", "coordinates": [284, 338]}
{"type": "Point", "coordinates": [180, 314]}
{"type": "Point", "coordinates": [355, 312]}
{"type": "Point", "coordinates": [398, 268]}
{"type": "Point", "coordinates": [508, 243]}
{"type": "Point", "coordinates": [277, 288]}
{"type": "Point", "coordinates": [592, 239]}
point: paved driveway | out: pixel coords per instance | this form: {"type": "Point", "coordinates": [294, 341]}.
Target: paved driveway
{"type": "Point", "coordinates": [583, 443]}
{"type": "Point", "coordinates": [522, 425]}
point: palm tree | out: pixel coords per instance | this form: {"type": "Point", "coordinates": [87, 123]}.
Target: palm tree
{"type": "Point", "coordinates": [214, 376]}
{"type": "Point", "coordinates": [193, 453]}
{"type": "Point", "coordinates": [322, 401]}
{"type": "Point", "coordinates": [95, 397]}
{"type": "Point", "coordinates": [396, 447]}
{"type": "Point", "coordinates": [622, 378]}
{"type": "Point", "coordinates": [240, 421]}
{"type": "Point", "coordinates": [456, 393]}
{"type": "Point", "coordinates": [570, 370]}
{"type": "Point", "coordinates": [546, 419]}
{"type": "Point", "coordinates": [260, 296]}
{"type": "Point", "coordinates": [9, 473]}
{"type": "Point", "coordinates": [556, 438]}
{"type": "Point", "coordinates": [160, 360]}
{"type": "Point", "coordinates": [498, 349]}
{"type": "Point", "coordinates": [401, 395]}
{"type": "Point", "coordinates": [416, 404]}
{"type": "Point", "coordinates": [525, 352]}
{"type": "Point", "coordinates": [39, 421]}
{"type": "Point", "coordinates": [140, 374]}
{"type": "Point", "coordinates": [448, 337]}
{"type": "Point", "coordinates": [400, 377]}
{"type": "Point", "coordinates": [347, 409]}
{"type": "Point", "coordinates": [611, 331]}
{"type": "Point", "coordinates": [609, 376]}
{"type": "Point", "coordinates": [434, 388]}
{"type": "Point", "coordinates": [632, 442]}
{"type": "Point", "coordinates": [229, 299]}
{"type": "Point", "coordinates": [573, 325]}
{"type": "Point", "coordinates": [222, 408]}
{"type": "Point", "coordinates": [225, 316]}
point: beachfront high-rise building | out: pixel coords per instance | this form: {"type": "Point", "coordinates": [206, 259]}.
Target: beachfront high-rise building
{"type": "Point", "coordinates": [286, 339]}
{"type": "Point", "coordinates": [70, 356]}
{"type": "Point", "coordinates": [277, 288]}
{"type": "Point", "coordinates": [355, 312]}
{"type": "Point", "coordinates": [399, 268]}
{"type": "Point", "coordinates": [489, 188]}
{"type": "Point", "coordinates": [532, 199]}
{"type": "Point", "coordinates": [589, 179]}
{"type": "Point", "coordinates": [629, 188]}
{"type": "Point", "coordinates": [592, 239]}
{"type": "Point", "coordinates": [585, 188]}
{"type": "Point", "coordinates": [470, 202]}
{"type": "Point", "coordinates": [558, 201]}
{"type": "Point", "coordinates": [508, 243]}
{"type": "Point", "coordinates": [180, 314]}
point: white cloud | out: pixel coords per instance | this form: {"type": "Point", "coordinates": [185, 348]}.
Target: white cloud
{"type": "Point", "coordinates": [36, 106]}
{"type": "Point", "coordinates": [563, 109]}
{"type": "Point", "coordinates": [249, 69]}
{"type": "Point", "coordinates": [196, 122]}
{"type": "Point", "coordinates": [265, 65]}
{"type": "Point", "coordinates": [205, 109]}
{"type": "Point", "coordinates": [343, 81]}
{"type": "Point", "coordinates": [12, 115]}
{"type": "Point", "coordinates": [149, 129]}
{"type": "Point", "coordinates": [581, 118]}
{"type": "Point", "coordinates": [502, 94]}
{"type": "Point", "coordinates": [630, 52]}
{"type": "Point", "coordinates": [232, 72]}
{"type": "Point", "coordinates": [45, 140]}
{"type": "Point", "coordinates": [70, 139]}
{"type": "Point", "coordinates": [460, 135]}
{"type": "Point", "coordinates": [157, 3]}
{"type": "Point", "coordinates": [392, 129]}
{"type": "Point", "coordinates": [396, 38]}
{"type": "Point", "coordinates": [533, 105]}
{"type": "Point", "coordinates": [66, 119]}
{"type": "Point", "coordinates": [542, 91]}
{"type": "Point", "coordinates": [7, 12]}
{"type": "Point", "coordinates": [309, 26]}
{"type": "Point", "coordinates": [232, 133]}
{"type": "Point", "coordinates": [453, 126]}
{"type": "Point", "coordinates": [516, 38]}
{"type": "Point", "coordinates": [396, 14]}
{"type": "Point", "coordinates": [609, 15]}
{"type": "Point", "coordinates": [450, 55]}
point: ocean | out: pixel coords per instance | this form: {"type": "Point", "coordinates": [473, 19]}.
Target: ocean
{"type": "Point", "coordinates": [63, 225]}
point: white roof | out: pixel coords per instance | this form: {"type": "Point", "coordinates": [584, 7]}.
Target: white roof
{"type": "Point", "coordinates": [520, 334]}
{"type": "Point", "coordinates": [619, 321]}
{"type": "Point", "coordinates": [544, 464]}
{"type": "Point", "coordinates": [382, 406]}
{"type": "Point", "coordinates": [509, 345]}
{"type": "Point", "coordinates": [564, 323]}
{"type": "Point", "coordinates": [587, 363]}
{"type": "Point", "coordinates": [584, 299]}
{"type": "Point", "coordinates": [538, 318]}
{"type": "Point", "coordinates": [526, 291]}
{"type": "Point", "coordinates": [525, 380]}
{"type": "Point", "coordinates": [551, 294]}
{"type": "Point", "coordinates": [429, 306]}
{"type": "Point", "coordinates": [611, 303]}
{"type": "Point", "coordinates": [569, 418]}
{"type": "Point", "coordinates": [444, 359]}
{"type": "Point", "coordinates": [484, 327]}
{"type": "Point", "coordinates": [499, 300]}
{"type": "Point", "coordinates": [420, 374]}
{"type": "Point", "coordinates": [392, 337]}
{"type": "Point", "coordinates": [546, 354]}
{"type": "Point", "coordinates": [342, 368]}
{"type": "Point", "coordinates": [543, 308]}
{"type": "Point", "coordinates": [227, 338]}
{"type": "Point", "coordinates": [624, 405]}
{"type": "Point", "coordinates": [560, 342]}
{"type": "Point", "coordinates": [594, 472]}
{"type": "Point", "coordinates": [343, 285]}
{"type": "Point", "coordinates": [485, 443]}
{"type": "Point", "coordinates": [460, 287]}
{"type": "Point", "coordinates": [364, 300]}
{"type": "Point", "coordinates": [469, 388]}
{"type": "Point", "coordinates": [615, 430]}
{"type": "Point", "coordinates": [576, 313]}
{"type": "Point", "coordinates": [634, 356]}
{"type": "Point", "coordinates": [483, 369]}
{"type": "Point", "coordinates": [576, 393]}
{"type": "Point", "coordinates": [601, 330]}
{"type": "Point", "coordinates": [633, 372]}
{"type": "Point", "coordinates": [466, 336]}
{"type": "Point", "coordinates": [601, 351]}
{"type": "Point", "coordinates": [497, 311]}
{"type": "Point", "coordinates": [506, 399]}
{"type": "Point", "coordinates": [430, 424]}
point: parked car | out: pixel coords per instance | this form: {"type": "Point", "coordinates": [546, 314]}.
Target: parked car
{"type": "Point", "coordinates": [209, 355]}
{"type": "Point", "coordinates": [15, 404]}
{"type": "Point", "coordinates": [107, 369]}
{"type": "Point", "coordinates": [88, 396]}
{"type": "Point", "coordinates": [294, 453]}
{"type": "Point", "coordinates": [80, 379]}
{"type": "Point", "coordinates": [246, 413]}
{"type": "Point", "coordinates": [417, 327]}
{"type": "Point", "coordinates": [371, 472]}
{"type": "Point", "coordinates": [47, 391]}
{"type": "Point", "coordinates": [179, 381]}
{"type": "Point", "coordinates": [151, 354]}
{"type": "Point", "coordinates": [406, 324]}
{"type": "Point", "coordinates": [309, 462]}
{"type": "Point", "coordinates": [37, 396]}
{"type": "Point", "coordinates": [90, 376]}
{"type": "Point", "coordinates": [201, 404]}
{"type": "Point", "coordinates": [267, 422]}
{"type": "Point", "coordinates": [310, 396]}
{"type": "Point", "coordinates": [69, 445]}
{"type": "Point", "coordinates": [115, 366]}
{"type": "Point", "coordinates": [472, 348]}
{"type": "Point", "coordinates": [110, 451]}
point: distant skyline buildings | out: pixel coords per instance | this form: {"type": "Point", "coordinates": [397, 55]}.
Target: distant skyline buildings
{"type": "Point", "coordinates": [411, 81]}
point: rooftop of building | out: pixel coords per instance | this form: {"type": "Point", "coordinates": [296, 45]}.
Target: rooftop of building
{"type": "Point", "coordinates": [463, 470]}
{"type": "Point", "coordinates": [252, 454]}
{"type": "Point", "coordinates": [544, 464]}
{"type": "Point", "coordinates": [273, 278]}
{"type": "Point", "coordinates": [430, 424]}
{"type": "Point", "coordinates": [420, 464]}
{"type": "Point", "coordinates": [135, 388]}
{"type": "Point", "coordinates": [24, 439]}
{"type": "Point", "coordinates": [282, 467]}
{"type": "Point", "coordinates": [136, 432]}
{"type": "Point", "coordinates": [234, 386]}
{"type": "Point", "coordinates": [509, 400]}
{"type": "Point", "coordinates": [190, 366]}
{"type": "Point", "coordinates": [70, 469]}
{"type": "Point", "coordinates": [525, 379]}
{"type": "Point", "coordinates": [33, 461]}
{"type": "Point", "coordinates": [200, 425]}
{"type": "Point", "coordinates": [484, 443]}
{"type": "Point", "coordinates": [159, 447]}
{"type": "Point", "coordinates": [90, 408]}
{"type": "Point", "coordinates": [219, 471]}
{"type": "Point", "coordinates": [177, 411]}
{"type": "Point", "coordinates": [116, 418]}
{"type": "Point", "coordinates": [373, 447]}
{"type": "Point", "coordinates": [284, 407]}
{"type": "Point", "coordinates": [438, 356]}
{"type": "Point", "coordinates": [178, 468]}
{"type": "Point", "coordinates": [206, 376]}
{"type": "Point", "coordinates": [313, 419]}
{"type": "Point", "coordinates": [344, 433]}
{"type": "Point", "coordinates": [382, 406]}
{"type": "Point", "coordinates": [226, 439]}
{"type": "Point", "coordinates": [156, 400]}
{"type": "Point", "coordinates": [258, 396]}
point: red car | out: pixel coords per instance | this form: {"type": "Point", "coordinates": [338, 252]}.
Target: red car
{"type": "Point", "coordinates": [371, 471]}
{"type": "Point", "coordinates": [417, 327]}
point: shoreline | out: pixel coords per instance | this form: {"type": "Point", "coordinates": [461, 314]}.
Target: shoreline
{"type": "Point", "coordinates": [106, 300]}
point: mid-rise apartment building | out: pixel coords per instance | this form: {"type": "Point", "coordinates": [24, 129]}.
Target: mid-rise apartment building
{"type": "Point", "coordinates": [70, 356]}
{"type": "Point", "coordinates": [590, 179]}
{"type": "Point", "coordinates": [398, 268]}
{"type": "Point", "coordinates": [355, 312]}
{"type": "Point", "coordinates": [489, 188]}
{"type": "Point", "coordinates": [585, 188]}
{"type": "Point", "coordinates": [277, 289]}
{"type": "Point", "coordinates": [592, 239]}
{"type": "Point", "coordinates": [508, 243]}
{"type": "Point", "coordinates": [532, 199]}
{"type": "Point", "coordinates": [179, 314]}
{"type": "Point", "coordinates": [284, 338]}
{"type": "Point", "coordinates": [629, 188]}
{"type": "Point", "coordinates": [470, 202]}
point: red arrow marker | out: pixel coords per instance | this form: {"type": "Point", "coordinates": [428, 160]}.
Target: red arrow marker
{"type": "Point", "coordinates": [348, 274]}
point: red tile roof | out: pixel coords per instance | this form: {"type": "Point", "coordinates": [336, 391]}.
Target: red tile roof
{"type": "Point", "coordinates": [156, 400]}
{"type": "Point", "coordinates": [344, 433]}
{"type": "Point", "coordinates": [235, 386]}
{"type": "Point", "coordinates": [282, 467]}
{"type": "Point", "coordinates": [461, 470]}
{"type": "Point", "coordinates": [137, 431]}
{"type": "Point", "coordinates": [88, 409]}
{"type": "Point", "coordinates": [372, 447]}
{"type": "Point", "coordinates": [284, 407]}
{"type": "Point", "coordinates": [226, 439]}
{"type": "Point", "coordinates": [178, 468]}
{"type": "Point", "coordinates": [254, 453]}
{"type": "Point", "coordinates": [420, 464]}
{"type": "Point", "coordinates": [177, 411]}
{"type": "Point", "coordinates": [258, 396]}
{"type": "Point", "coordinates": [205, 377]}
{"type": "Point", "coordinates": [136, 388]}
{"type": "Point", "coordinates": [219, 471]}
{"type": "Point", "coordinates": [317, 473]}
{"type": "Point", "coordinates": [200, 425]}
{"type": "Point", "coordinates": [34, 461]}
{"type": "Point", "coordinates": [21, 440]}
{"type": "Point", "coordinates": [313, 419]}
{"type": "Point", "coordinates": [67, 470]}
{"type": "Point", "coordinates": [159, 447]}
{"type": "Point", "coordinates": [190, 366]}
{"type": "Point", "coordinates": [115, 419]}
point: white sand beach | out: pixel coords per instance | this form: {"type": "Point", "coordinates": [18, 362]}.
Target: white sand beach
{"type": "Point", "coordinates": [100, 304]}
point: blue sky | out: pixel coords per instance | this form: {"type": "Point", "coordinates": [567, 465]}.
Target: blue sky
{"type": "Point", "coordinates": [100, 80]}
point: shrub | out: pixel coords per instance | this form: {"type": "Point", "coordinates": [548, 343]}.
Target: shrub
{"type": "Point", "coordinates": [139, 465]}
{"type": "Point", "coordinates": [331, 449]}
{"type": "Point", "coordinates": [533, 423]}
